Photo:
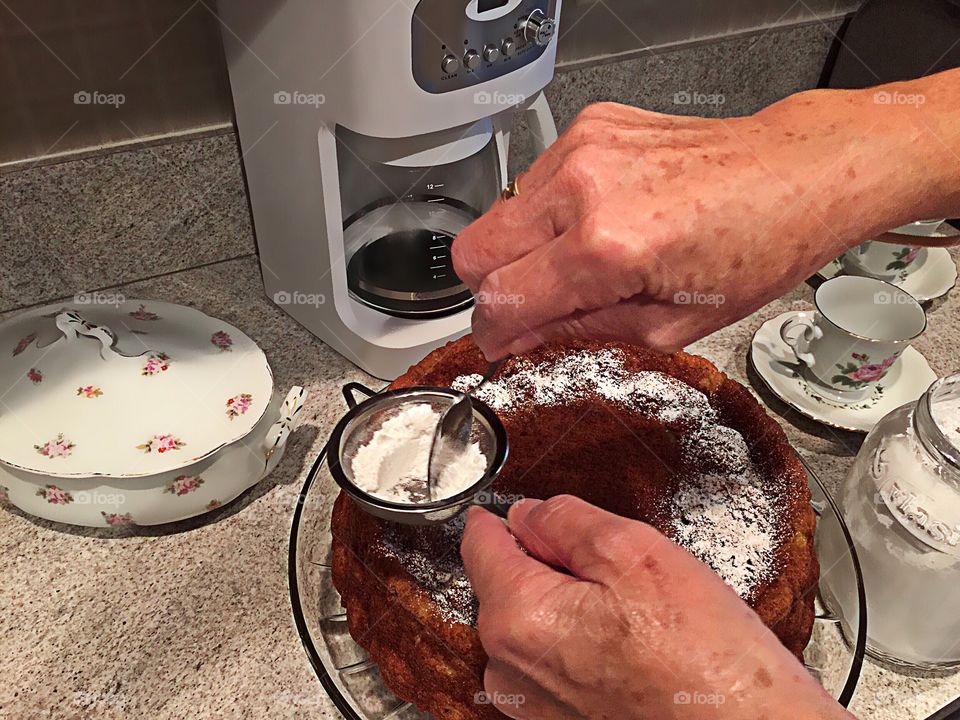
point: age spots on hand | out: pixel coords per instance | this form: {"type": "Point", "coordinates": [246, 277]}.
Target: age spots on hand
{"type": "Point", "coordinates": [762, 679]}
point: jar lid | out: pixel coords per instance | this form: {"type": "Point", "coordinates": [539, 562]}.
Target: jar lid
{"type": "Point", "coordinates": [939, 414]}
{"type": "Point", "coordinates": [124, 390]}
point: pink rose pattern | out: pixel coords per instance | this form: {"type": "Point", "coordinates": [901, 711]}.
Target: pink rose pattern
{"type": "Point", "coordinates": [35, 376]}
{"type": "Point", "coordinates": [903, 258]}
{"type": "Point", "coordinates": [156, 363]}
{"type": "Point", "coordinates": [116, 519]}
{"type": "Point", "coordinates": [55, 448]}
{"type": "Point", "coordinates": [221, 340]}
{"type": "Point", "coordinates": [55, 496]}
{"type": "Point", "coordinates": [89, 391]}
{"type": "Point", "coordinates": [184, 484]}
{"type": "Point", "coordinates": [213, 505]}
{"type": "Point", "coordinates": [143, 314]}
{"type": "Point", "coordinates": [162, 444]}
{"type": "Point", "coordinates": [24, 344]}
{"type": "Point", "coordinates": [860, 372]}
{"type": "Point", "coordinates": [238, 405]}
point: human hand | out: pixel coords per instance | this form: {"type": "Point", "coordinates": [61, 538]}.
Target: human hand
{"type": "Point", "coordinates": [638, 629]}
{"type": "Point", "coordinates": [657, 229]}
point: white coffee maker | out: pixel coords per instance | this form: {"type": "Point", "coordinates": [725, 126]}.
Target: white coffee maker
{"type": "Point", "coordinates": [372, 132]}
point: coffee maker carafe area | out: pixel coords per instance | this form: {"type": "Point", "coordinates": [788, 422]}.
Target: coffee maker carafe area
{"type": "Point", "coordinates": [371, 134]}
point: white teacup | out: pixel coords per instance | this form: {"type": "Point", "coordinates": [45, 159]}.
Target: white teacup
{"type": "Point", "coordinates": [860, 328]}
{"type": "Point", "coordinates": [883, 260]}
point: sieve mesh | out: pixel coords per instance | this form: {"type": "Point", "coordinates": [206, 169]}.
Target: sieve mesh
{"type": "Point", "coordinates": [361, 429]}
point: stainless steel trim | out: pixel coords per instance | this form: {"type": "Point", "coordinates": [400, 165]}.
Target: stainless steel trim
{"type": "Point", "coordinates": [412, 296]}
{"type": "Point", "coordinates": [393, 311]}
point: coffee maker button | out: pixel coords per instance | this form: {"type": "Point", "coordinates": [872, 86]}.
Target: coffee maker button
{"type": "Point", "coordinates": [449, 64]}
{"type": "Point", "coordinates": [538, 28]}
{"type": "Point", "coordinates": [491, 53]}
{"type": "Point", "coordinates": [471, 59]}
{"type": "Point", "coordinates": [508, 47]}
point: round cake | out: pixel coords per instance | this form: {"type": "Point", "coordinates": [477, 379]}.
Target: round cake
{"type": "Point", "coordinates": [666, 439]}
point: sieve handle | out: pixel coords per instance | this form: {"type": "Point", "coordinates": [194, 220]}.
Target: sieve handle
{"type": "Point", "coordinates": [498, 504]}
{"type": "Point", "coordinates": [352, 387]}
{"type": "Point", "coordinates": [499, 509]}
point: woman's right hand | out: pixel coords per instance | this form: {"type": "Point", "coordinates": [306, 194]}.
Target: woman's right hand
{"type": "Point", "coordinates": [658, 230]}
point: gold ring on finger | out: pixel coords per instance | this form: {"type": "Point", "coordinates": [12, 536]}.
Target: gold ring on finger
{"type": "Point", "coordinates": [511, 191]}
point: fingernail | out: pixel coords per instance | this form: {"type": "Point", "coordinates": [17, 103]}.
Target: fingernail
{"type": "Point", "coordinates": [520, 509]}
{"type": "Point", "coordinates": [473, 511]}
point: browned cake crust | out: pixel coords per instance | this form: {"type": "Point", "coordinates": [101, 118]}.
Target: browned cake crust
{"type": "Point", "coordinates": [585, 448]}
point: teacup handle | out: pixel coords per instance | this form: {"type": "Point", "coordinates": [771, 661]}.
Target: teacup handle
{"type": "Point", "coordinates": [800, 343]}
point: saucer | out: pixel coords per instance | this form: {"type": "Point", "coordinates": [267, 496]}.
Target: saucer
{"type": "Point", "coordinates": [935, 278]}
{"type": "Point", "coordinates": [779, 369]}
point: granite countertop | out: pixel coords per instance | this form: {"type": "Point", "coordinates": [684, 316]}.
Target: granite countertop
{"type": "Point", "coordinates": [194, 619]}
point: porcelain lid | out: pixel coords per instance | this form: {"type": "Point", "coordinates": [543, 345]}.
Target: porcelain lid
{"type": "Point", "coordinates": [124, 390]}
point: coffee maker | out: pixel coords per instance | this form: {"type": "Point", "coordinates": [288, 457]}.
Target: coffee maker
{"type": "Point", "coordinates": [371, 133]}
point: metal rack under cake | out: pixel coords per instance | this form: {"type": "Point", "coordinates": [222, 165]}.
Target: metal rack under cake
{"type": "Point", "coordinates": [834, 655]}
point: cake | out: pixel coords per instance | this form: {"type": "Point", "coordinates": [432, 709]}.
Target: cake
{"type": "Point", "coordinates": [667, 439]}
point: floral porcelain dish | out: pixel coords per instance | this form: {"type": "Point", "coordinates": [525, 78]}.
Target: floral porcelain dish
{"type": "Point", "coordinates": [901, 381]}
{"type": "Point", "coordinates": [136, 413]}
{"type": "Point", "coordinates": [926, 281]}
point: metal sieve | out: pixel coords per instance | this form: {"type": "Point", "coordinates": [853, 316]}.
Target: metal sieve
{"type": "Point", "coordinates": [358, 426]}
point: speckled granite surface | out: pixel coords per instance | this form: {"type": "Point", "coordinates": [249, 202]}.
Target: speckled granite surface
{"type": "Point", "coordinates": [82, 225]}
{"type": "Point", "coordinates": [194, 619]}
{"type": "Point", "coordinates": [723, 79]}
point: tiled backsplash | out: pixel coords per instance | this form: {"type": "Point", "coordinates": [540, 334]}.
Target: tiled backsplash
{"type": "Point", "coordinates": [99, 221]}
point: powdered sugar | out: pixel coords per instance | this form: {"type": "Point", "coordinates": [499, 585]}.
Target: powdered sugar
{"type": "Point", "coordinates": [946, 415]}
{"type": "Point", "coordinates": [443, 576]}
{"type": "Point", "coordinates": [727, 515]}
{"type": "Point", "coordinates": [584, 373]}
{"type": "Point", "coordinates": [393, 465]}
{"type": "Point", "coordinates": [727, 521]}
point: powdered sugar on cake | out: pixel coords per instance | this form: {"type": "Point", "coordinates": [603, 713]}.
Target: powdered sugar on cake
{"type": "Point", "coordinates": [727, 522]}
{"type": "Point", "coordinates": [585, 373]}
{"type": "Point", "coordinates": [727, 515]}
{"type": "Point", "coordinates": [443, 577]}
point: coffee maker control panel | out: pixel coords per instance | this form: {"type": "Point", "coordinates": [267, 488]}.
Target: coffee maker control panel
{"type": "Point", "coordinates": [456, 46]}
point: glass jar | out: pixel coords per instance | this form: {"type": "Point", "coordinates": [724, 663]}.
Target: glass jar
{"type": "Point", "coordinates": [901, 502]}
